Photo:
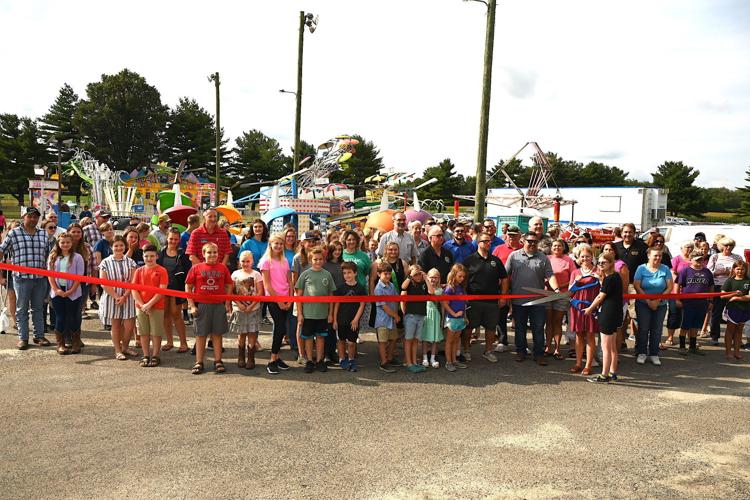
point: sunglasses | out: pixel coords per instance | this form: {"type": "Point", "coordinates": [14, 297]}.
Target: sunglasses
{"type": "Point", "coordinates": [51, 228]}
{"type": "Point", "coordinates": [532, 242]}
{"type": "Point", "coordinates": [483, 241]}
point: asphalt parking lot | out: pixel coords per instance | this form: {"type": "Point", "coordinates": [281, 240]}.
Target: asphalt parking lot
{"type": "Point", "coordinates": [90, 426]}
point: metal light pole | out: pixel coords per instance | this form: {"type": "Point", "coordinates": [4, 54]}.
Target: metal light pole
{"type": "Point", "coordinates": [312, 23]}
{"type": "Point", "coordinates": [215, 78]}
{"type": "Point", "coordinates": [484, 120]}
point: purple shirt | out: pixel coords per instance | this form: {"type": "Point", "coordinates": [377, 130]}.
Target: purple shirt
{"type": "Point", "coordinates": [695, 281]}
{"type": "Point", "coordinates": [456, 305]}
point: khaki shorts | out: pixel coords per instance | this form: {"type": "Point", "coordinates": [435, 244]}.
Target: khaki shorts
{"type": "Point", "coordinates": [631, 305]}
{"type": "Point", "coordinates": [151, 323]}
{"type": "Point", "coordinates": [386, 334]}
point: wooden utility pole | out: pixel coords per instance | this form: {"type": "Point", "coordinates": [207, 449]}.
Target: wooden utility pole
{"type": "Point", "coordinates": [298, 115]}
{"type": "Point", "coordinates": [215, 78]}
{"type": "Point", "coordinates": [484, 120]}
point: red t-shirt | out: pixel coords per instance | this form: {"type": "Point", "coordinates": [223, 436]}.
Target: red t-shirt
{"type": "Point", "coordinates": [201, 236]}
{"type": "Point", "coordinates": [502, 252]}
{"type": "Point", "coordinates": [209, 279]}
{"type": "Point", "coordinates": [155, 276]}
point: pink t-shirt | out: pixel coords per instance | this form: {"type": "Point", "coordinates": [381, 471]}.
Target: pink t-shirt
{"type": "Point", "coordinates": [679, 263]}
{"type": "Point", "coordinates": [562, 267]}
{"type": "Point", "coordinates": [278, 271]}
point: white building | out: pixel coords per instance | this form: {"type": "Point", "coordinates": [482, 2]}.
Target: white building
{"type": "Point", "coordinates": [594, 206]}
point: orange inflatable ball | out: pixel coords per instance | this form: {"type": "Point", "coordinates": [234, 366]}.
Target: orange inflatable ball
{"type": "Point", "coordinates": [382, 221]}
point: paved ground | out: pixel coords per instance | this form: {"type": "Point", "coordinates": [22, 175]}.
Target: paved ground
{"type": "Point", "coordinates": [90, 426]}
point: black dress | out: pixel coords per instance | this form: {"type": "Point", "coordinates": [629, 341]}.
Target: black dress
{"type": "Point", "coordinates": [610, 311]}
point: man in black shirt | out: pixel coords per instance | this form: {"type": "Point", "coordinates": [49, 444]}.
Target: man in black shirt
{"type": "Point", "coordinates": [435, 256]}
{"type": "Point", "coordinates": [486, 276]}
{"type": "Point", "coordinates": [630, 250]}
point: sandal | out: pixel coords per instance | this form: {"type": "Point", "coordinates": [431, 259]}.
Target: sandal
{"type": "Point", "coordinates": [586, 371]}
{"type": "Point", "coordinates": [219, 367]}
{"type": "Point", "coordinates": [120, 356]}
{"type": "Point", "coordinates": [155, 361]}
{"type": "Point", "coordinates": [144, 362]}
{"type": "Point", "coordinates": [197, 369]}
{"type": "Point", "coordinates": [183, 349]}
{"type": "Point", "coordinates": [131, 352]}
{"type": "Point", "coordinates": [575, 369]}
{"type": "Point", "coordinates": [167, 347]}
{"type": "Point", "coordinates": [663, 347]}
{"type": "Point", "coordinates": [558, 356]}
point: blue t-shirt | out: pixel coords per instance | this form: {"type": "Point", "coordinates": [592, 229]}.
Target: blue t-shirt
{"type": "Point", "coordinates": [184, 239]}
{"type": "Point", "coordinates": [456, 305]}
{"type": "Point", "coordinates": [460, 252]}
{"type": "Point", "coordinates": [655, 282]}
{"type": "Point", "coordinates": [258, 249]}
{"type": "Point", "coordinates": [289, 254]}
{"type": "Point", "coordinates": [104, 247]}
{"type": "Point", "coordinates": [383, 320]}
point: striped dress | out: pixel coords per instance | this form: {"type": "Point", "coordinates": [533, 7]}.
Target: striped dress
{"type": "Point", "coordinates": [117, 270]}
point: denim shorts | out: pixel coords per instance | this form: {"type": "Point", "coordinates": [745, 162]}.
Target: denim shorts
{"type": "Point", "coordinates": [413, 324]}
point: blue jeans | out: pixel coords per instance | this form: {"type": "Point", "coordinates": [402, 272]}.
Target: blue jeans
{"type": "Point", "coordinates": [650, 323]}
{"type": "Point", "coordinates": [30, 293]}
{"type": "Point", "coordinates": [67, 315]}
{"type": "Point", "coordinates": [536, 315]}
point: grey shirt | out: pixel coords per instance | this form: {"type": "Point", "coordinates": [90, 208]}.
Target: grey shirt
{"type": "Point", "coordinates": [407, 246]}
{"type": "Point", "coordinates": [527, 271]}
{"type": "Point", "coordinates": [335, 269]}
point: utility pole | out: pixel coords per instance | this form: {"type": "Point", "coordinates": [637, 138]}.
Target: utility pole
{"type": "Point", "coordinates": [215, 78]}
{"type": "Point", "coordinates": [484, 120]}
{"type": "Point", "coordinates": [298, 115]}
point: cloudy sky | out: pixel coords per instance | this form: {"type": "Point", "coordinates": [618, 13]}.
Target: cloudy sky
{"type": "Point", "coordinates": [630, 84]}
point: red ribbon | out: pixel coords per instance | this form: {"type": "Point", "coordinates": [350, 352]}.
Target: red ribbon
{"type": "Point", "coordinates": [216, 298]}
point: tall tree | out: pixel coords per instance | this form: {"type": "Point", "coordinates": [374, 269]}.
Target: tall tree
{"type": "Point", "coordinates": [257, 158]}
{"type": "Point", "coordinates": [364, 163]}
{"type": "Point", "coordinates": [745, 195]}
{"type": "Point", "coordinates": [57, 124]}
{"type": "Point", "coordinates": [448, 182]}
{"type": "Point", "coordinates": [21, 147]}
{"type": "Point", "coordinates": [599, 174]}
{"type": "Point", "coordinates": [517, 172]}
{"type": "Point", "coordinates": [190, 135]}
{"type": "Point", "coordinates": [684, 197]}
{"type": "Point", "coordinates": [122, 120]}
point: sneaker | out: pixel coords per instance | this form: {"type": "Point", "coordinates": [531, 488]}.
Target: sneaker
{"type": "Point", "coordinates": [682, 351]}
{"type": "Point", "coordinates": [461, 358]}
{"type": "Point", "coordinates": [631, 337]}
{"type": "Point", "coordinates": [612, 377]}
{"type": "Point", "coordinates": [272, 368]}
{"type": "Point", "coordinates": [413, 368]}
{"type": "Point", "coordinates": [321, 366]}
{"type": "Point", "coordinates": [655, 360]}
{"type": "Point", "coordinates": [467, 355]}
{"type": "Point", "coordinates": [490, 357]}
{"type": "Point", "coordinates": [309, 367]}
{"type": "Point", "coordinates": [344, 364]}
{"type": "Point", "coordinates": [425, 363]}
{"type": "Point", "coordinates": [450, 367]}
{"type": "Point", "coordinates": [459, 364]}
{"type": "Point", "coordinates": [301, 360]}
{"type": "Point", "coordinates": [420, 368]}
{"type": "Point", "coordinates": [500, 348]}
{"type": "Point", "coordinates": [353, 365]}
{"type": "Point", "coordinates": [387, 368]}
{"type": "Point", "coordinates": [696, 351]}
{"type": "Point", "coordinates": [436, 364]}
{"type": "Point", "coordinates": [22, 345]}
{"type": "Point", "coordinates": [641, 359]}
{"type": "Point", "coordinates": [281, 365]}
{"type": "Point", "coordinates": [746, 347]}
{"type": "Point", "coordinates": [599, 379]}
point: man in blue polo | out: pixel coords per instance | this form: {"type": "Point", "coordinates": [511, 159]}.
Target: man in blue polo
{"type": "Point", "coordinates": [458, 246]}
{"type": "Point", "coordinates": [529, 267]}
{"type": "Point", "coordinates": [489, 227]}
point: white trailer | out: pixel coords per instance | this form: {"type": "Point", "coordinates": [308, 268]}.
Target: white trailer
{"type": "Point", "coordinates": [594, 206]}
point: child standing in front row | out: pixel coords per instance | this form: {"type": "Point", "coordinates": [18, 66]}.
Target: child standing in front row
{"type": "Point", "coordinates": [432, 331]}
{"type": "Point", "coordinates": [455, 316]}
{"type": "Point", "coordinates": [245, 319]}
{"type": "Point", "coordinates": [346, 316]}
{"type": "Point", "coordinates": [314, 317]}
{"type": "Point", "coordinates": [150, 306]}
{"type": "Point", "coordinates": [414, 315]}
{"type": "Point", "coordinates": [386, 317]}
{"type": "Point", "coordinates": [737, 311]}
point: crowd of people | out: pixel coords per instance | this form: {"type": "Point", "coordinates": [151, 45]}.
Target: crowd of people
{"type": "Point", "coordinates": [584, 286]}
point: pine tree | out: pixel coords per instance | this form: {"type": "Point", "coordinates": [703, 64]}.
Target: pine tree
{"type": "Point", "coordinates": [745, 193]}
{"type": "Point", "coordinates": [57, 125]}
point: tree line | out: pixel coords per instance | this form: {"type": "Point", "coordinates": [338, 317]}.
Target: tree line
{"type": "Point", "coordinates": [123, 122]}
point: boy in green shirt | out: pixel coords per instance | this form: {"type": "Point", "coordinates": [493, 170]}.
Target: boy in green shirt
{"type": "Point", "coordinates": [314, 317]}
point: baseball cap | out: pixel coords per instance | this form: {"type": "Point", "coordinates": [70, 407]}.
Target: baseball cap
{"type": "Point", "coordinates": [33, 211]}
{"type": "Point", "coordinates": [309, 235]}
{"type": "Point", "coordinates": [102, 213]}
{"type": "Point", "coordinates": [513, 230]}
{"type": "Point", "coordinates": [163, 218]}
{"type": "Point", "coordinates": [700, 236]}
{"type": "Point", "coordinates": [695, 255]}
